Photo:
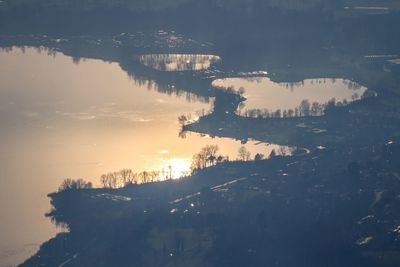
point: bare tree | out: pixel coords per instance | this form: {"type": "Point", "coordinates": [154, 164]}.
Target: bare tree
{"type": "Point", "coordinates": [259, 156]}
{"type": "Point", "coordinates": [243, 154]}
{"type": "Point", "coordinates": [70, 184]}
{"type": "Point", "coordinates": [272, 154]}
{"type": "Point", "coordinates": [126, 176]}
{"type": "Point", "coordinates": [304, 108]}
{"type": "Point", "coordinates": [104, 180]}
{"type": "Point", "coordinates": [182, 119]}
{"type": "Point", "coordinates": [206, 157]}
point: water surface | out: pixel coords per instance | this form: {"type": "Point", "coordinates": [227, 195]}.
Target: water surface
{"type": "Point", "coordinates": [264, 94]}
{"type": "Point", "coordinates": [63, 120]}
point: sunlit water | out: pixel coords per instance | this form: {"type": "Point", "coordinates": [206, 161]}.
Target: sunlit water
{"type": "Point", "coordinates": [64, 120]}
{"type": "Point", "coordinates": [262, 93]}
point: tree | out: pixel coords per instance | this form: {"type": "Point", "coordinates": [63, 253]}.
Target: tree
{"type": "Point", "coordinates": [266, 113]}
{"type": "Point", "coordinates": [126, 176]}
{"type": "Point", "coordinates": [198, 162]}
{"type": "Point", "coordinates": [296, 112]}
{"type": "Point", "coordinates": [304, 108]}
{"type": "Point", "coordinates": [259, 156]}
{"type": "Point", "coordinates": [70, 184]}
{"type": "Point", "coordinates": [113, 181]}
{"type": "Point", "coordinates": [331, 104]}
{"type": "Point", "coordinates": [241, 90]}
{"type": "Point", "coordinates": [104, 180]}
{"type": "Point", "coordinates": [243, 154]}
{"type": "Point", "coordinates": [144, 177]}
{"type": "Point", "coordinates": [65, 185]}
{"type": "Point", "coordinates": [207, 154]}
{"type": "Point", "coordinates": [272, 154]}
{"type": "Point", "coordinates": [316, 109]}
{"type": "Point", "coordinates": [211, 159]}
{"type": "Point", "coordinates": [183, 119]}
{"type": "Point", "coordinates": [277, 113]}
{"type": "Point", "coordinates": [109, 180]}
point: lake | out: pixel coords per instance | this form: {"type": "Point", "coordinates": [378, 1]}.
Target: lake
{"type": "Point", "coordinates": [263, 94]}
{"type": "Point", "coordinates": [62, 119]}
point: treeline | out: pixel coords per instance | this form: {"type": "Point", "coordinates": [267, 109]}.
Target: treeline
{"type": "Point", "coordinates": [304, 109]}
{"type": "Point", "coordinates": [118, 179]}
{"type": "Point", "coordinates": [245, 155]}
{"type": "Point", "coordinates": [126, 177]}
{"type": "Point", "coordinates": [208, 156]}
{"type": "Point", "coordinates": [70, 184]}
